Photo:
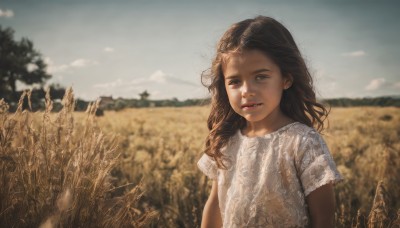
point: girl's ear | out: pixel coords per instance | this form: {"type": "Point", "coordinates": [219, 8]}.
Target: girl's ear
{"type": "Point", "coordinates": [287, 81]}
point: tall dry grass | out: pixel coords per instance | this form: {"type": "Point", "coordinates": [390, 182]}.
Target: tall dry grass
{"type": "Point", "coordinates": [78, 166]}
{"type": "Point", "coordinates": [366, 147]}
{"type": "Point", "coordinates": [162, 146]}
{"type": "Point", "coordinates": [55, 172]}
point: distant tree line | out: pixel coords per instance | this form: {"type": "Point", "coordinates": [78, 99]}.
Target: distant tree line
{"type": "Point", "coordinates": [121, 103]}
{"type": "Point", "coordinates": [386, 101]}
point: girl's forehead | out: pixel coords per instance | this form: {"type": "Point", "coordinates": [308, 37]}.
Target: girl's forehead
{"type": "Point", "coordinates": [248, 63]}
{"type": "Point", "coordinates": [253, 57]}
{"type": "Point", "coordinates": [230, 58]}
{"type": "Point", "coordinates": [244, 55]}
{"type": "Point", "coordinates": [227, 57]}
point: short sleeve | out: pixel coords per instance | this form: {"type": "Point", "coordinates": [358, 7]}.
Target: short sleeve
{"type": "Point", "coordinates": [314, 163]}
{"type": "Point", "coordinates": [208, 166]}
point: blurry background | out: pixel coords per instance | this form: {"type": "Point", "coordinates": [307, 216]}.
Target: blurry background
{"type": "Point", "coordinates": [122, 48]}
{"type": "Point", "coordinates": [69, 169]}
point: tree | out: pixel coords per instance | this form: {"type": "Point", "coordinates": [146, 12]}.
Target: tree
{"type": "Point", "coordinates": [19, 61]}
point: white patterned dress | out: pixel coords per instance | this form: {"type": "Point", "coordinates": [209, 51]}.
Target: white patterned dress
{"type": "Point", "coordinates": [268, 177]}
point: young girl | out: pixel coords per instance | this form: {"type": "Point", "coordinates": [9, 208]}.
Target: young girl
{"type": "Point", "coordinates": [270, 167]}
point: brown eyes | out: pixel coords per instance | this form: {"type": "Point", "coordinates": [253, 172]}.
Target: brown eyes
{"type": "Point", "coordinates": [233, 82]}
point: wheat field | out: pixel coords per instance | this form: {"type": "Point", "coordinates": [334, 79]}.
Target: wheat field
{"type": "Point", "coordinates": [137, 167]}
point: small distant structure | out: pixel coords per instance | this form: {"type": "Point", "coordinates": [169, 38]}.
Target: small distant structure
{"type": "Point", "coordinates": [144, 96]}
{"type": "Point", "coordinates": [106, 102]}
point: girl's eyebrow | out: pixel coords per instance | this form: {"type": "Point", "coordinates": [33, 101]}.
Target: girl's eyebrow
{"type": "Point", "coordinates": [254, 72]}
{"type": "Point", "coordinates": [232, 76]}
{"type": "Point", "coordinates": [260, 70]}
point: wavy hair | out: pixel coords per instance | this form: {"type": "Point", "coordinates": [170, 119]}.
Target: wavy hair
{"type": "Point", "coordinates": [272, 38]}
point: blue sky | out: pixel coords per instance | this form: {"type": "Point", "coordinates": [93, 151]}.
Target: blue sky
{"type": "Point", "coordinates": [122, 48]}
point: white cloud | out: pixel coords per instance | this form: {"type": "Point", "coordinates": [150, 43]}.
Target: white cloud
{"type": "Point", "coordinates": [118, 88]}
{"type": "Point", "coordinates": [355, 53]}
{"type": "Point", "coordinates": [78, 63]}
{"type": "Point", "coordinates": [31, 67]}
{"type": "Point", "coordinates": [52, 68]}
{"type": "Point", "coordinates": [396, 85]}
{"type": "Point", "coordinates": [108, 49]}
{"type": "Point", "coordinates": [158, 76]}
{"type": "Point", "coordinates": [158, 84]}
{"type": "Point", "coordinates": [375, 84]}
{"type": "Point", "coordinates": [6, 13]}
{"type": "Point", "coordinates": [48, 61]}
{"type": "Point", "coordinates": [57, 69]}
{"type": "Point", "coordinates": [82, 63]}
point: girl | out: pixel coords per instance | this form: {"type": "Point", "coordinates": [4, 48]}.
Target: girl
{"type": "Point", "coordinates": [270, 167]}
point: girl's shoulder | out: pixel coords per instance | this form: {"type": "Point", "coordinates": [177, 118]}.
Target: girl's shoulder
{"type": "Point", "coordinates": [301, 134]}
{"type": "Point", "coordinates": [306, 138]}
{"type": "Point", "coordinates": [297, 129]}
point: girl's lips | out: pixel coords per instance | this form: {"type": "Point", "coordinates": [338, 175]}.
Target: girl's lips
{"type": "Point", "coordinates": [251, 105]}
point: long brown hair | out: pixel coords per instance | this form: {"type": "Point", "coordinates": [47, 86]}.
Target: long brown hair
{"type": "Point", "coordinates": [298, 102]}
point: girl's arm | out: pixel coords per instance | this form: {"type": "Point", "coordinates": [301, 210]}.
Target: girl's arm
{"type": "Point", "coordinates": [321, 204]}
{"type": "Point", "coordinates": [211, 214]}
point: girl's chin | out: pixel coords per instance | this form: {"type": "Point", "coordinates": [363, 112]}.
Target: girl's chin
{"type": "Point", "coordinates": [252, 118]}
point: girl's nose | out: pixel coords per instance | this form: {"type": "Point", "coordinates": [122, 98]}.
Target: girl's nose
{"type": "Point", "coordinates": [247, 90]}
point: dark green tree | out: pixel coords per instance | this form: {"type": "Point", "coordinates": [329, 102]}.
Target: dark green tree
{"type": "Point", "coordinates": [19, 61]}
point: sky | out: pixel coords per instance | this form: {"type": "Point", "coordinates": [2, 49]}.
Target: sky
{"type": "Point", "coordinates": [120, 48]}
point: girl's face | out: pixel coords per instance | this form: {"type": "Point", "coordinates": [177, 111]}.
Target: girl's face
{"type": "Point", "coordinates": [254, 85]}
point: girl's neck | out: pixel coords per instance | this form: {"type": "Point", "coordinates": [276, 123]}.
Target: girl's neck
{"type": "Point", "coordinates": [267, 125]}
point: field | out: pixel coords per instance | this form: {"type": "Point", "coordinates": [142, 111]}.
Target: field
{"type": "Point", "coordinates": [137, 167]}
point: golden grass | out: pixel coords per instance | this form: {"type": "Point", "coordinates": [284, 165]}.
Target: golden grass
{"type": "Point", "coordinates": [365, 144]}
{"type": "Point", "coordinates": [55, 172]}
{"type": "Point", "coordinates": [79, 167]}
{"type": "Point", "coordinates": [162, 146]}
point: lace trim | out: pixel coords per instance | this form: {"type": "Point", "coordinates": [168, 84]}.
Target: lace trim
{"type": "Point", "coordinates": [208, 167]}
{"type": "Point", "coordinates": [320, 172]}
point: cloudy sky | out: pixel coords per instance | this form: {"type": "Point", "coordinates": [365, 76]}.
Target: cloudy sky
{"type": "Point", "coordinates": [121, 48]}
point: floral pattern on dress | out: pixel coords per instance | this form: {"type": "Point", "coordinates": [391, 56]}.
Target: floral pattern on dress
{"type": "Point", "coordinates": [269, 177]}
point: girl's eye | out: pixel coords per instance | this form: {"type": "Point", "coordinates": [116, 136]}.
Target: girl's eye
{"type": "Point", "coordinates": [261, 77]}
{"type": "Point", "coordinates": [233, 82]}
